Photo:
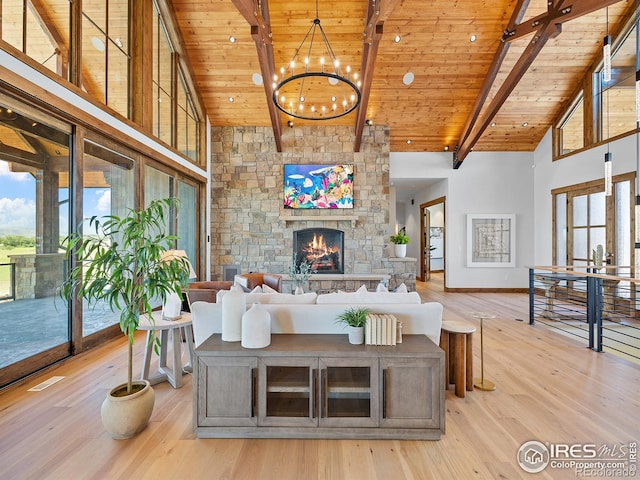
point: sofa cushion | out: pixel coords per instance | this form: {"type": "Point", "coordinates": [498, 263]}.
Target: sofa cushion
{"type": "Point", "coordinates": [369, 298]}
{"type": "Point", "coordinates": [274, 298]}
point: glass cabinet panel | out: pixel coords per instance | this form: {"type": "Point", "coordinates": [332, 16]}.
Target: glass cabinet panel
{"type": "Point", "coordinates": [349, 392]}
{"type": "Point", "coordinates": [289, 391]}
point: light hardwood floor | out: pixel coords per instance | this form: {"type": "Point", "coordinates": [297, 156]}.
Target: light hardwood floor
{"type": "Point", "coordinates": [549, 388]}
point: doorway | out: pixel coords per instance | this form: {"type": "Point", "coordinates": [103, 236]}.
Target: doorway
{"type": "Point", "coordinates": [432, 237]}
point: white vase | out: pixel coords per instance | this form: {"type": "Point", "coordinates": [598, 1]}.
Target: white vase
{"type": "Point", "coordinates": [356, 335]}
{"type": "Point", "coordinates": [400, 250]}
{"type": "Point", "coordinates": [234, 305]}
{"type": "Point", "coordinates": [299, 290]}
{"type": "Point", "coordinates": [172, 306]}
{"type": "Point", "coordinates": [256, 327]}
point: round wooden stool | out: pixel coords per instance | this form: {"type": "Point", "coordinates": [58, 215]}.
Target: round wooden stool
{"type": "Point", "coordinates": [456, 339]}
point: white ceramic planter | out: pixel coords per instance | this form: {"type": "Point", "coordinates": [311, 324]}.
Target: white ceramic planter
{"type": "Point", "coordinates": [356, 335]}
{"type": "Point", "coordinates": [400, 250]}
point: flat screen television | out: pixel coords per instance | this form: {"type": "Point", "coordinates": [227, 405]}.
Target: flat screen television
{"type": "Point", "coordinates": [318, 186]}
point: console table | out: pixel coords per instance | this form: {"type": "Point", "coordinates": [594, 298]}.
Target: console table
{"type": "Point", "coordinates": [319, 386]}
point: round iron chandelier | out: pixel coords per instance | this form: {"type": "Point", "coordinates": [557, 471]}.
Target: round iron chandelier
{"type": "Point", "coordinates": [313, 86]}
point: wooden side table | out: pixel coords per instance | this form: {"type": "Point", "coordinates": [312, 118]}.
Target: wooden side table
{"type": "Point", "coordinates": [163, 327]}
{"type": "Point", "coordinates": [457, 343]}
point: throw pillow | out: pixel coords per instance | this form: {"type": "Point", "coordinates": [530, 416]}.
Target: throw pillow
{"type": "Point", "coordinates": [381, 288]}
{"type": "Point", "coordinates": [257, 289]}
{"type": "Point", "coordinates": [362, 289]}
{"type": "Point", "coordinates": [402, 288]}
{"type": "Point", "coordinates": [268, 289]}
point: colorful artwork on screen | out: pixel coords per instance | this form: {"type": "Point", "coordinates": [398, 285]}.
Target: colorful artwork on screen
{"type": "Point", "coordinates": [318, 186]}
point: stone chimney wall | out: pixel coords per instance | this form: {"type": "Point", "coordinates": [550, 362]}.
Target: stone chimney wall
{"type": "Point", "coordinates": [249, 225]}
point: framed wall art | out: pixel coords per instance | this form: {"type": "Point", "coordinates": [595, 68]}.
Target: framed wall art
{"type": "Point", "coordinates": [491, 240]}
{"type": "Point", "coordinates": [318, 186]}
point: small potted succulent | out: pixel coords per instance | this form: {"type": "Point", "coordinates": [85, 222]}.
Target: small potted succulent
{"type": "Point", "coordinates": [400, 241]}
{"type": "Point", "coordinates": [354, 318]}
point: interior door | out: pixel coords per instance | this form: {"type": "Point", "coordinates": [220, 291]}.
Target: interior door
{"type": "Point", "coordinates": [426, 257]}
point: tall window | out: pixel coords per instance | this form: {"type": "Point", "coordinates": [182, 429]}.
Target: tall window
{"type": "Point", "coordinates": [39, 29]}
{"type": "Point", "coordinates": [108, 181]}
{"type": "Point", "coordinates": [572, 128]}
{"type": "Point", "coordinates": [617, 98]}
{"type": "Point", "coordinates": [105, 52]}
{"type": "Point", "coordinates": [585, 218]}
{"type": "Point", "coordinates": [187, 123]}
{"type": "Point", "coordinates": [175, 120]}
{"type": "Point", "coordinates": [162, 80]}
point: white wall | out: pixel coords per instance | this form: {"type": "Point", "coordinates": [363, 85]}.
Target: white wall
{"type": "Point", "coordinates": [485, 183]}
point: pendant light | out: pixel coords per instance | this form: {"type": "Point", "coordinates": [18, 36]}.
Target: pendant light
{"type": "Point", "coordinates": [606, 53]}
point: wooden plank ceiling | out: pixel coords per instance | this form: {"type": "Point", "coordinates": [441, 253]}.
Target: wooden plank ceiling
{"type": "Point", "coordinates": [435, 46]}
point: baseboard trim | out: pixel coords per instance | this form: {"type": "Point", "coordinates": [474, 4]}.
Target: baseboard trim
{"type": "Point", "coordinates": [486, 290]}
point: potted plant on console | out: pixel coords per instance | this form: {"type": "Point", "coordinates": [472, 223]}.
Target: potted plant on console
{"type": "Point", "coordinates": [354, 318]}
{"type": "Point", "coordinates": [119, 261]}
{"type": "Point", "coordinates": [299, 273]}
{"type": "Point", "coordinates": [400, 241]}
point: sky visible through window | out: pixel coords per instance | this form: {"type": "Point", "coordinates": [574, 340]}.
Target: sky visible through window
{"type": "Point", "coordinates": [18, 203]}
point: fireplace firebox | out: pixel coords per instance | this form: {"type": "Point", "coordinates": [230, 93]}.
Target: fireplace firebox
{"type": "Point", "coordinates": [322, 248]}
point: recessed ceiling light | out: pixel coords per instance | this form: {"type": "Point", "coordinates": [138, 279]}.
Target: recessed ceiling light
{"type": "Point", "coordinates": [118, 42]}
{"type": "Point", "coordinates": [369, 122]}
{"type": "Point", "coordinates": [232, 39]}
{"type": "Point", "coordinates": [290, 123]}
{"type": "Point", "coordinates": [408, 78]}
{"type": "Point", "coordinates": [473, 38]}
{"type": "Point", "coordinates": [397, 38]}
{"type": "Point", "coordinates": [231, 99]}
{"type": "Point", "coordinates": [446, 148]}
{"type": "Point", "coordinates": [257, 79]}
{"type": "Point", "coordinates": [525, 124]}
{"type": "Point", "coordinates": [493, 124]}
{"type": "Point", "coordinates": [409, 142]}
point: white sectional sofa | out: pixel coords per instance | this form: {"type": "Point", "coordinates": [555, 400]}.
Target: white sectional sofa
{"type": "Point", "coordinates": [311, 313]}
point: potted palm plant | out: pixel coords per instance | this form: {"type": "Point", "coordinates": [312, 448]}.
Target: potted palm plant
{"type": "Point", "coordinates": [400, 241]}
{"type": "Point", "coordinates": [354, 318]}
{"type": "Point", "coordinates": [119, 261]}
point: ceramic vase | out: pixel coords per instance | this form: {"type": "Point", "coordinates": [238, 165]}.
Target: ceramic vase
{"type": "Point", "coordinates": [234, 305]}
{"type": "Point", "coordinates": [123, 416]}
{"type": "Point", "coordinates": [256, 327]}
{"type": "Point", "coordinates": [172, 306]}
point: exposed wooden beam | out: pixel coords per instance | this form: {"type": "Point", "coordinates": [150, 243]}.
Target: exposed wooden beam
{"type": "Point", "coordinates": [547, 26]}
{"type": "Point", "coordinates": [12, 154]}
{"type": "Point", "coordinates": [569, 11]}
{"type": "Point", "coordinates": [490, 77]}
{"type": "Point", "coordinates": [256, 13]}
{"type": "Point", "coordinates": [526, 59]}
{"type": "Point", "coordinates": [377, 13]}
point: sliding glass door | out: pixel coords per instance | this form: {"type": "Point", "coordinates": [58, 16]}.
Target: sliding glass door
{"type": "Point", "coordinates": [34, 218]}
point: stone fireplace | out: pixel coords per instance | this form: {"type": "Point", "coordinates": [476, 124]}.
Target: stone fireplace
{"type": "Point", "coordinates": [322, 248]}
